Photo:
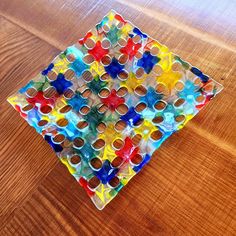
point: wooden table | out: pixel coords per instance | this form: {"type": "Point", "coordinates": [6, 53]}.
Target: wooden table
{"type": "Point", "coordinates": [189, 185]}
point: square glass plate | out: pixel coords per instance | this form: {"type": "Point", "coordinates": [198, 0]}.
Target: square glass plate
{"type": "Point", "coordinates": [109, 101]}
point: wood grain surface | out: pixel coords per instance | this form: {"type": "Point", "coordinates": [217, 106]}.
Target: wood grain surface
{"type": "Point", "coordinates": [188, 188]}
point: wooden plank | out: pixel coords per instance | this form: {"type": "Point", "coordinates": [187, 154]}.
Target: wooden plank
{"type": "Point", "coordinates": [188, 187]}
{"type": "Point", "coordinates": [176, 193]}
{"type": "Point", "coordinates": [215, 18]}
{"type": "Point", "coordinates": [25, 157]}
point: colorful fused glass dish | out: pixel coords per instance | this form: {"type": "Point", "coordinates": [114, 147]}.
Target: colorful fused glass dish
{"type": "Point", "coordinates": [108, 102]}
